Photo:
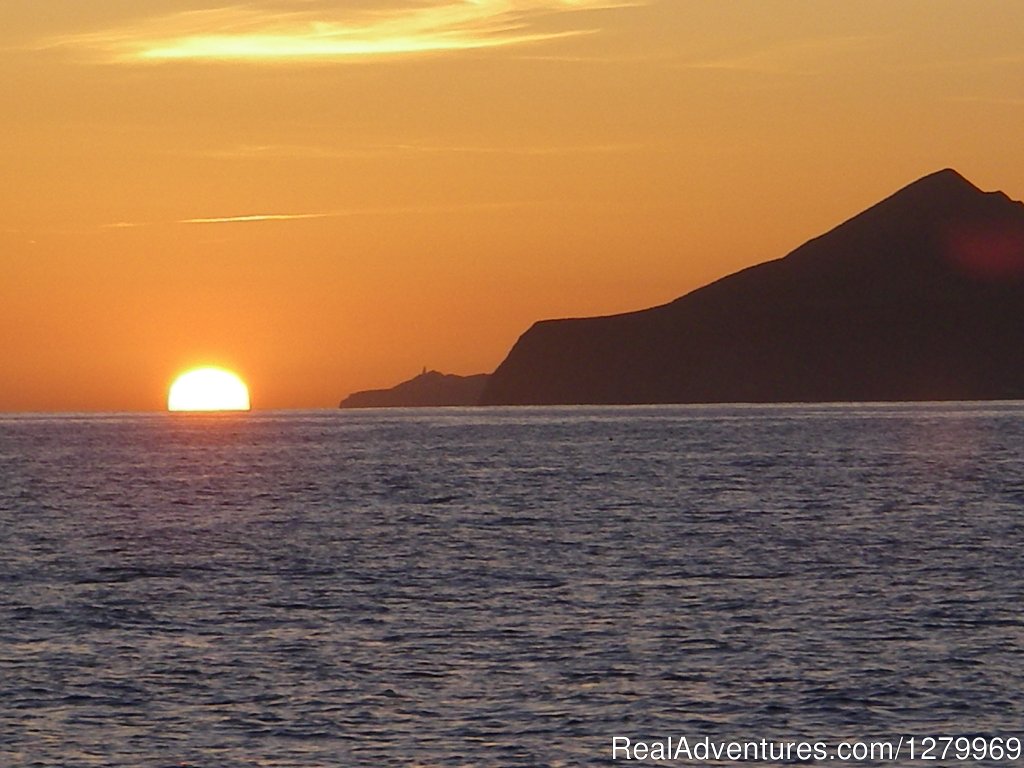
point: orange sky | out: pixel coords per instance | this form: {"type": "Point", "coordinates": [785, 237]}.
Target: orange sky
{"type": "Point", "coordinates": [327, 196]}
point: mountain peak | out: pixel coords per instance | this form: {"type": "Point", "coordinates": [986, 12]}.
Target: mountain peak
{"type": "Point", "coordinates": [943, 176]}
{"type": "Point", "coordinates": [944, 182]}
{"type": "Point", "coordinates": [940, 189]}
{"type": "Point", "coordinates": [907, 212]}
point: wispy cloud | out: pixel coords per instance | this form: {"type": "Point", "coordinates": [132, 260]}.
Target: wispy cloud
{"type": "Point", "coordinates": [124, 225]}
{"type": "Point", "coordinates": [313, 152]}
{"type": "Point", "coordinates": [999, 101]}
{"type": "Point", "coordinates": [794, 58]}
{"type": "Point", "coordinates": [252, 217]}
{"type": "Point", "coordinates": [241, 219]}
{"type": "Point", "coordinates": [256, 218]}
{"type": "Point", "coordinates": [577, 149]}
{"type": "Point", "coordinates": [248, 32]}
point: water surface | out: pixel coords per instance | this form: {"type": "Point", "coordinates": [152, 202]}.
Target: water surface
{"type": "Point", "coordinates": [504, 587]}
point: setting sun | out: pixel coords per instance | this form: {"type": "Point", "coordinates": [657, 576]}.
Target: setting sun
{"type": "Point", "coordinates": [208, 389]}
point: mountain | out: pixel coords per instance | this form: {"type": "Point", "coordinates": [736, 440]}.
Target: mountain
{"type": "Point", "coordinates": [428, 389]}
{"type": "Point", "coordinates": [920, 297]}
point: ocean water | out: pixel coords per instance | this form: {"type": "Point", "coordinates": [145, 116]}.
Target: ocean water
{"type": "Point", "coordinates": [507, 587]}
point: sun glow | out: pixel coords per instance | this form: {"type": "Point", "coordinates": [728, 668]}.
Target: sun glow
{"type": "Point", "coordinates": [208, 389]}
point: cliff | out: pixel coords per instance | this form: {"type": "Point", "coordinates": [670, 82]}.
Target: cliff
{"type": "Point", "coordinates": [429, 389]}
{"type": "Point", "coordinates": [920, 297]}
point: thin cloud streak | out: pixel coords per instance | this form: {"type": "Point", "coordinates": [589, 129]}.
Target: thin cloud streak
{"type": "Point", "coordinates": [588, 149]}
{"type": "Point", "coordinates": [794, 58]}
{"type": "Point", "coordinates": [257, 218]}
{"type": "Point", "coordinates": [999, 101]}
{"type": "Point", "coordinates": [250, 151]}
{"type": "Point", "coordinates": [247, 33]}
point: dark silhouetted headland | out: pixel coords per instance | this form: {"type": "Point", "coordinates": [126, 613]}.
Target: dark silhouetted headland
{"type": "Point", "coordinates": [920, 297]}
{"type": "Point", "coordinates": [428, 389]}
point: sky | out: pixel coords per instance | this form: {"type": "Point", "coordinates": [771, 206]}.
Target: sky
{"type": "Point", "coordinates": [330, 196]}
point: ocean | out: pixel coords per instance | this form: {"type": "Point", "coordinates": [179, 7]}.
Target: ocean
{"type": "Point", "coordinates": [513, 587]}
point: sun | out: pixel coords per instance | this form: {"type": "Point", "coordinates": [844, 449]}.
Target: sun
{"type": "Point", "coordinates": [208, 389]}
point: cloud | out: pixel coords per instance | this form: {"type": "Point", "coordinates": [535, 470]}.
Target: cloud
{"type": "Point", "coordinates": [259, 217]}
{"type": "Point", "coordinates": [248, 32]}
{"type": "Point", "coordinates": [255, 218]}
{"type": "Point", "coordinates": [795, 57]}
{"type": "Point", "coordinates": [999, 101]}
{"type": "Point", "coordinates": [312, 152]}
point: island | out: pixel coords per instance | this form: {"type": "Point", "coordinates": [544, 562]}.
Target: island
{"type": "Point", "coordinates": [920, 297]}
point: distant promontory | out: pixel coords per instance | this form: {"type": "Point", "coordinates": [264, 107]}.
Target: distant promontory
{"type": "Point", "coordinates": [429, 389]}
